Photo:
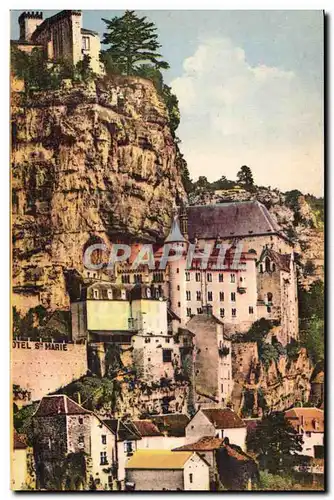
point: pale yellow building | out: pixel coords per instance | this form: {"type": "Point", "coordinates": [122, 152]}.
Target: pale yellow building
{"type": "Point", "coordinates": [19, 463]}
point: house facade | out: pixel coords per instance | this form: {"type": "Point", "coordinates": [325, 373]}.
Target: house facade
{"type": "Point", "coordinates": [63, 429]}
{"type": "Point", "coordinates": [219, 423]}
{"type": "Point", "coordinates": [309, 423]}
{"type": "Point", "coordinates": [162, 470]}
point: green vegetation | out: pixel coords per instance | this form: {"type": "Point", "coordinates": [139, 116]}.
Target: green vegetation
{"type": "Point", "coordinates": [23, 421]}
{"type": "Point", "coordinates": [39, 74]}
{"type": "Point", "coordinates": [312, 319]}
{"type": "Point", "coordinates": [245, 176]}
{"type": "Point", "coordinates": [275, 443]}
{"type": "Point", "coordinates": [132, 40]}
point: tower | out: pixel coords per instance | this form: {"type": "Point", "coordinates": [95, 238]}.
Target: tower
{"type": "Point", "coordinates": [28, 22]}
{"type": "Point", "coordinates": [176, 242]}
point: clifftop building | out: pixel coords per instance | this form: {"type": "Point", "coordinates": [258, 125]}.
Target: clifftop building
{"type": "Point", "coordinates": [61, 36]}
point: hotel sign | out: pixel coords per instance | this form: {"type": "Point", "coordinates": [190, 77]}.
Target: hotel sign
{"type": "Point", "coordinates": [46, 346]}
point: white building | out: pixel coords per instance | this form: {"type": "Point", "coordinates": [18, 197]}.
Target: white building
{"type": "Point", "coordinates": [220, 423]}
{"type": "Point", "coordinates": [165, 470]}
{"type": "Point", "coordinates": [309, 422]}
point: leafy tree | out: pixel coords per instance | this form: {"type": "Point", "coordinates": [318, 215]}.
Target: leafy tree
{"type": "Point", "coordinates": [311, 302]}
{"type": "Point", "coordinates": [33, 69]}
{"type": "Point", "coordinates": [132, 40]}
{"type": "Point", "coordinates": [259, 330]}
{"type": "Point", "coordinates": [84, 70]}
{"type": "Point", "coordinates": [275, 443]}
{"type": "Point", "coordinates": [309, 268]}
{"type": "Point", "coordinates": [245, 176]}
{"type": "Point", "coordinates": [312, 337]}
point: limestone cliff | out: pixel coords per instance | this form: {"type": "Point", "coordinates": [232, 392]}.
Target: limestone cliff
{"type": "Point", "coordinates": [89, 161]}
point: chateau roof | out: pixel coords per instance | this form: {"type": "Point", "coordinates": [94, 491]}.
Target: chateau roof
{"type": "Point", "coordinates": [59, 405]}
{"type": "Point", "coordinates": [230, 220]}
{"type": "Point", "coordinates": [158, 459]}
{"type": "Point", "coordinates": [223, 418]}
{"type": "Point", "coordinates": [173, 424]}
{"type": "Point", "coordinates": [147, 428]}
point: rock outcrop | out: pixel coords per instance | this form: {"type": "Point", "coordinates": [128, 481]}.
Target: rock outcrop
{"type": "Point", "coordinates": [94, 162]}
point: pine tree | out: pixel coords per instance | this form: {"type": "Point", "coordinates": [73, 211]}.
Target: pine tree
{"type": "Point", "coordinates": [133, 40]}
{"type": "Point", "coordinates": [245, 176]}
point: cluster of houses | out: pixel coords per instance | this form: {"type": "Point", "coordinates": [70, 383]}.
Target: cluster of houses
{"type": "Point", "coordinates": [166, 452]}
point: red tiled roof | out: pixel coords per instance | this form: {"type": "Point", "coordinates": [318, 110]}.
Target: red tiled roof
{"type": "Point", "coordinates": [19, 441]}
{"type": "Point", "coordinates": [59, 405]}
{"type": "Point", "coordinates": [309, 419]}
{"type": "Point", "coordinates": [206, 443]}
{"type": "Point", "coordinates": [223, 418]}
{"type": "Point", "coordinates": [147, 428]}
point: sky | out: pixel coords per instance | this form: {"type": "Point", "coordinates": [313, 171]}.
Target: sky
{"type": "Point", "coordinates": [250, 90]}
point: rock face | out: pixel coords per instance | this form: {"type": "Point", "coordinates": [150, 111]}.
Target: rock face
{"type": "Point", "coordinates": [93, 162]}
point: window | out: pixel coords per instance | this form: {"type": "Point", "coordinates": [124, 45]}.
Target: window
{"type": "Point", "coordinates": [198, 295]}
{"type": "Point", "coordinates": [128, 447]}
{"type": "Point", "coordinates": [96, 293]}
{"type": "Point", "coordinates": [233, 297]}
{"type": "Point", "coordinates": [110, 294]}
{"type": "Point", "coordinates": [198, 277]}
{"type": "Point", "coordinates": [261, 268]}
{"type": "Point", "coordinates": [125, 278]}
{"type": "Point", "coordinates": [177, 270]}
{"type": "Point", "coordinates": [308, 434]}
{"type": "Point", "coordinates": [234, 313]}
{"type": "Point", "coordinates": [267, 264]}
{"type": "Point", "coordinates": [222, 312]}
{"type": "Point", "coordinates": [199, 310]}
{"type": "Point", "coordinates": [190, 478]}
{"type": "Point", "coordinates": [147, 341]}
{"type": "Point", "coordinates": [81, 441]}
{"type": "Point", "coordinates": [188, 311]}
{"type": "Point", "coordinates": [166, 355]}
{"type": "Point", "coordinates": [187, 276]}
{"type": "Point", "coordinates": [221, 277]}
{"type": "Point", "coordinates": [179, 304]}
{"type": "Point", "coordinates": [167, 341]}
{"type": "Point", "coordinates": [80, 420]}
{"type": "Point", "coordinates": [85, 43]}
{"type": "Point", "coordinates": [268, 309]}
{"type": "Point", "coordinates": [137, 278]}
{"type": "Point", "coordinates": [210, 296]}
{"type": "Point", "coordinates": [221, 296]}
{"type": "Point", "coordinates": [274, 266]}
{"type": "Point", "coordinates": [251, 310]}
{"type": "Point", "coordinates": [178, 288]}
{"type": "Point", "coordinates": [209, 277]}
{"type": "Point", "coordinates": [222, 388]}
{"type": "Point", "coordinates": [269, 297]}
{"type": "Point", "coordinates": [104, 439]}
{"type": "Point", "coordinates": [103, 458]}
{"type": "Point", "coordinates": [188, 295]}
{"type": "Point", "coordinates": [232, 278]}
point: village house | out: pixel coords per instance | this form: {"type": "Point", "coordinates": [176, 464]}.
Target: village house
{"type": "Point", "coordinates": [61, 36]}
{"type": "Point", "coordinates": [127, 438]}
{"type": "Point", "coordinates": [217, 422]}
{"type": "Point", "coordinates": [173, 427]}
{"type": "Point", "coordinates": [212, 360]}
{"type": "Point", "coordinates": [151, 437]}
{"type": "Point", "coordinates": [19, 462]}
{"type": "Point", "coordinates": [309, 423]}
{"type": "Point", "coordinates": [165, 470]}
{"type": "Point", "coordinates": [65, 431]}
{"type": "Point", "coordinates": [229, 463]}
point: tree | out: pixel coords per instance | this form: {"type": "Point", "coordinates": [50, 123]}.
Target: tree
{"type": "Point", "coordinates": [132, 40]}
{"type": "Point", "coordinates": [33, 69]}
{"type": "Point", "coordinates": [311, 302]}
{"type": "Point", "coordinates": [312, 337]}
{"type": "Point", "coordinates": [245, 176]}
{"type": "Point", "coordinates": [275, 442]}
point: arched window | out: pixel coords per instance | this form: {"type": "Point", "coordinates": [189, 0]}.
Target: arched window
{"type": "Point", "coordinates": [267, 264]}
{"type": "Point", "coordinates": [270, 297]}
{"type": "Point", "coordinates": [274, 266]}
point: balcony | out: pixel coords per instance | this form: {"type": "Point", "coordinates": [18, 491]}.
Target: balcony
{"type": "Point", "coordinates": [241, 289]}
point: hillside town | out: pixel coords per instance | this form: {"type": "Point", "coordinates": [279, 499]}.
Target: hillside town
{"type": "Point", "coordinates": [142, 362]}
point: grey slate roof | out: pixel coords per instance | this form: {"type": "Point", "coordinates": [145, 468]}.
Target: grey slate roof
{"type": "Point", "coordinates": [229, 220]}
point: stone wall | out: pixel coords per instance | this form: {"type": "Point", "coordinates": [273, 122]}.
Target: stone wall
{"type": "Point", "coordinates": [155, 480]}
{"type": "Point", "coordinates": [244, 355]}
{"type": "Point", "coordinates": [44, 367]}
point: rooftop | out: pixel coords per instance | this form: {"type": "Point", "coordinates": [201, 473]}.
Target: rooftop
{"type": "Point", "coordinates": [223, 418]}
{"type": "Point", "coordinates": [59, 405]}
{"type": "Point", "coordinates": [307, 418]}
{"type": "Point", "coordinates": [173, 424]}
{"type": "Point", "coordinates": [125, 431]}
{"type": "Point", "coordinates": [158, 459]}
{"type": "Point", "coordinates": [228, 220]}
{"type": "Point", "coordinates": [147, 428]}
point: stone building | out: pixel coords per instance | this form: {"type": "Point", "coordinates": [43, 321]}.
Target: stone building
{"type": "Point", "coordinates": [64, 435]}
{"type": "Point", "coordinates": [61, 36]}
{"type": "Point", "coordinates": [277, 292]}
{"type": "Point", "coordinates": [212, 360]}
{"type": "Point", "coordinates": [217, 422]}
{"type": "Point", "coordinates": [165, 470]}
